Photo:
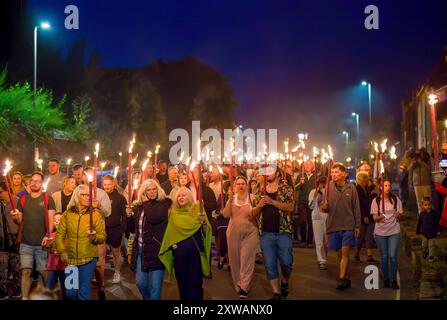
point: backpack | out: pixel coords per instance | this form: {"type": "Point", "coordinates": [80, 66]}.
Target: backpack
{"type": "Point", "coordinates": [22, 202]}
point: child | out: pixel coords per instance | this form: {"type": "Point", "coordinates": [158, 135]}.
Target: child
{"type": "Point", "coordinates": [55, 267]}
{"type": "Point", "coordinates": [319, 222]}
{"type": "Point", "coordinates": [428, 227]}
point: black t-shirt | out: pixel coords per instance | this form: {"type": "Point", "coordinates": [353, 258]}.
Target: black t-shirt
{"type": "Point", "coordinates": [118, 215]}
{"type": "Point", "coordinates": [162, 178]}
{"type": "Point", "coordinates": [65, 200]}
{"type": "Point", "coordinates": [270, 216]}
{"type": "Point", "coordinates": [34, 219]}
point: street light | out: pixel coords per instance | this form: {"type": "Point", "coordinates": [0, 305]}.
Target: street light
{"type": "Point", "coordinates": [432, 100]}
{"type": "Point", "coordinates": [44, 25]}
{"type": "Point", "coordinates": [357, 120]}
{"type": "Point", "coordinates": [346, 134]}
{"type": "Point", "coordinates": [364, 83]}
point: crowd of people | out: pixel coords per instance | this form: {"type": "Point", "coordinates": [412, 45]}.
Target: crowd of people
{"type": "Point", "coordinates": [249, 214]}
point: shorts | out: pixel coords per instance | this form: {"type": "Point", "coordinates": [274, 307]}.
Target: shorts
{"type": "Point", "coordinates": [114, 237]}
{"type": "Point", "coordinates": [338, 239]}
{"type": "Point", "coordinates": [29, 254]}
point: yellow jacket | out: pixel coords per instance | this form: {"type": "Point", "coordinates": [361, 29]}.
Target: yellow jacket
{"type": "Point", "coordinates": [74, 228]}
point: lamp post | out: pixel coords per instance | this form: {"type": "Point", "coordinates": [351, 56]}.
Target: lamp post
{"type": "Point", "coordinates": [346, 134]}
{"type": "Point", "coordinates": [43, 25]}
{"type": "Point", "coordinates": [364, 83]}
{"type": "Point", "coordinates": [357, 121]}
{"type": "Point", "coordinates": [432, 100]}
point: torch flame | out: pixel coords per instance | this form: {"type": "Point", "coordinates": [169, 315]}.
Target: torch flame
{"type": "Point", "coordinates": [39, 163]}
{"type": "Point", "coordinates": [135, 184]}
{"type": "Point", "coordinates": [103, 164]}
{"type": "Point", "coordinates": [376, 147]}
{"type": "Point", "coordinates": [382, 167]}
{"type": "Point", "coordinates": [331, 155]}
{"type": "Point", "coordinates": [433, 99]}
{"type": "Point", "coordinates": [157, 147]}
{"type": "Point", "coordinates": [132, 142]}
{"type": "Point", "coordinates": [188, 161]}
{"type": "Point", "coordinates": [144, 165]}
{"type": "Point", "coordinates": [120, 154]}
{"type": "Point", "coordinates": [87, 158]}
{"type": "Point", "coordinates": [115, 171]}
{"type": "Point", "coordinates": [383, 145]}
{"type": "Point", "coordinates": [8, 167]}
{"type": "Point", "coordinates": [393, 155]}
{"type": "Point", "coordinates": [295, 149]}
{"type": "Point", "coordinates": [316, 152]}
{"type": "Point", "coordinates": [324, 156]}
{"type": "Point", "coordinates": [97, 150]}
{"type": "Point", "coordinates": [182, 155]}
{"type": "Point", "coordinates": [286, 146]}
{"type": "Point", "coordinates": [45, 184]}
{"type": "Point", "coordinates": [220, 170]}
{"type": "Point", "coordinates": [149, 154]}
{"type": "Point", "coordinates": [69, 161]}
{"type": "Point", "coordinates": [89, 177]}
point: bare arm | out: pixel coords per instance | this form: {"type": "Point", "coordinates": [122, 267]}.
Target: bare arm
{"type": "Point", "coordinates": [226, 212]}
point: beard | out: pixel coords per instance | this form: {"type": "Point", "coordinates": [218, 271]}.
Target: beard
{"type": "Point", "coordinates": [35, 189]}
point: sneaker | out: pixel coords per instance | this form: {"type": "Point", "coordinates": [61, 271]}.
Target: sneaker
{"type": "Point", "coordinates": [101, 295]}
{"type": "Point", "coordinates": [116, 277]}
{"type": "Point", "coordinates": [431, 259]}
{"type": "Point", "coordinates": [357, 257]}
{"type": "Point", "coordinates": [372, 260]}
{"type": "Point", "coordinates": [386, 283]}
{"type": "Point", "coordinates": [284, 289]}
{"type": "Point", "coordinates": [343, 284]}
{"type": "Point", "coordinates": [394, 285]}
{"type": "Point", "coordinates": [3, 294]}
{"type": "Point", "coordinates": [276, 296]}
{"type": "Point", "coordinates": [243, 294]}
{"type": "Point", "coordinates": [322, 266]}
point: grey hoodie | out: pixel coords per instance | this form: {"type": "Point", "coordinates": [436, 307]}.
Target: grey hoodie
{"type": "Point", "coordinates": [344, 208]}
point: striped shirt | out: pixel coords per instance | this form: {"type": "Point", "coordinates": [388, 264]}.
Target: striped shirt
{"type": "Point", "coordinates": [140, 230]}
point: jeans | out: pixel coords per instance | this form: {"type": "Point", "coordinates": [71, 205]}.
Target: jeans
{"type": "Point", "coordinates": [319, 229]}
{"type": "Point", "coordinates": [53, 276]}
{"type": "Point", "coordinates": [277, 246]}
{"type": "Point", "coordinates": [388, 246]}
{"type": "Point", "coordinates": [149, 290]}
{"type": "Point", "coordinates": [85, 279]}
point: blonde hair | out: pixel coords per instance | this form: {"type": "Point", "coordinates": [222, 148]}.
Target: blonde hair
{"type": "Point", "coordinates": [189, 196]}
{"type": "Point", "coordinates": [79, 190]}
{"type": "Point", "coordinates": [161, 195]}
{"type": "Point", "coordinates": [65, 180]}
{"type": "Point", "coordinates": [361, 175]}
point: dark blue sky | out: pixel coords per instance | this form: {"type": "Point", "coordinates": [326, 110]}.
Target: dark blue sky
{"type": "Point", "coordinates": [294, 65]}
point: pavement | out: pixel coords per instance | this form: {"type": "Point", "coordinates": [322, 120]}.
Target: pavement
{"type": "Point", "coordinates": [307, 282]}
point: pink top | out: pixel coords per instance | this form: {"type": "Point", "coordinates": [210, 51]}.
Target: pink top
{"type": "Point", "coordinates": [390, 225]}
{"type": "Point", "coordinates": [54, 260]}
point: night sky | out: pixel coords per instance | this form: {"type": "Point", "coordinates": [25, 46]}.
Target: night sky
{"type": "Point", "coordinates": [294, 65]}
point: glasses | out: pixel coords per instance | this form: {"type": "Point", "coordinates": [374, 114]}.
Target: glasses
{"type": "Point", "coordinates": [35, 181]}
